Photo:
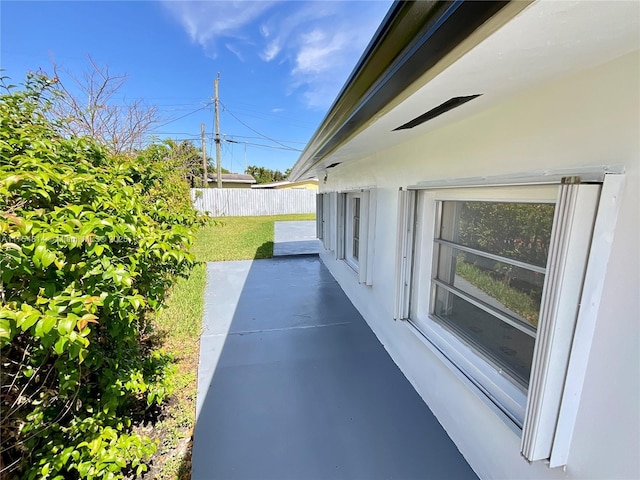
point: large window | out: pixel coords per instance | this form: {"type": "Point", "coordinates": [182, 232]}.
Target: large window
{"type": "Point", "coordinates": [492, 278]}
{"type": "Point", "coordinates": [489, 275]}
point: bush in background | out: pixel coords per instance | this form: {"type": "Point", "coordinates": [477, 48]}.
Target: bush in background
{"type": "Point", "coordinates": [89, 244]}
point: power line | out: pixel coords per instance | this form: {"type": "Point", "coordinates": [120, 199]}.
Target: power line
{"type": "Point", "coordinates": [255, 131]}
{"type": "Point", "coordinates": [245, 136]}
{"type": "Point", "coordinates": [266, 116]}
{"type": "Point", "coordinates": [183, 116]}
{"type": "Point", "coordinates": [289, 149]}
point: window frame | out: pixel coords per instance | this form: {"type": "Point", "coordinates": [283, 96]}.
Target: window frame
{"type": "Point", "coordinates": [491, 381]}
{"type": "Point", "coordinates": [363, 265]}
{"type": "Point", "coordinates": [327, 226]}
{"type": "Point", "coordinates": [350, 200]}
{"type": "Point", "coordinates": [546, 430]}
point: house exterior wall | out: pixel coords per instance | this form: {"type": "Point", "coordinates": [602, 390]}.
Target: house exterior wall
{"type": "Point", "coordinates": [304, 185]}
{"type": "Point", "coordinates": [586, 120]}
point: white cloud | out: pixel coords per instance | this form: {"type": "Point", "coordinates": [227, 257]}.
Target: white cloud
{"type": "Point", "coordinates": [318, 51]}
{"type": "Point", "coordinates": [320, 41]}
{"type": "Point", "coordinates": [271, 51]}
{"type": "Point", "coordinates": [235, 50]}
{"type": "Point", "coordinates": [207, 22]}
{"type": "Point", "coordinates": [323, 43]}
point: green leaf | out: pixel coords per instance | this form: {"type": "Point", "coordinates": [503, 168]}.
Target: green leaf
{"type": "Point", "coordinates": [47, 258]}
{"type": "Point", "coordinates": [82, 354]}
{"type": "Point", "coordinates": [59, 345]}
{"type": "Point", "coordinates": [25, 320]}
{"type": "Point", "coordinates": [84, 468]}
{"type": "Point", "coordinates": [5, 329]}
{"type": "Point", "coordinates": [37, 255]}
{"type": "Point", "coordinates": [44, 325]}
{"type": "Point", "coordinates": [135, 302]}
{"type": "Point", "coordinates": [65, 325]}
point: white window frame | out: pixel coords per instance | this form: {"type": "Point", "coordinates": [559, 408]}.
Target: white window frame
{"type": "Point", "coordinates": [327, 227]}
{"type": "Point", "coordinates": [363, 265]}
{"type": "Point", "coordinates": [351, 199]}
{"type": "Point", "coordinates": [545, 414]}
{"type": "Point", "coordinates": [320, 216]}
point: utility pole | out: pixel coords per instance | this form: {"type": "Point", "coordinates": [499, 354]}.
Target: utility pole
{"type": "Point", "coordinates": [205, 180]}
{"type": "Point", "coordinates": [217, 139]}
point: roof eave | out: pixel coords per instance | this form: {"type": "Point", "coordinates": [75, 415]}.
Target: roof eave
{"type": "Point", "coordinates": [412, 38]}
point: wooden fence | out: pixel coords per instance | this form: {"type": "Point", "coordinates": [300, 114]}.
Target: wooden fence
{"type": "Point", "coordinates": [244, 202]}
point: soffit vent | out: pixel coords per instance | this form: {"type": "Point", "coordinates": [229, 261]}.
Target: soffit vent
{"type": "Point", "coordinates": [439, 110]}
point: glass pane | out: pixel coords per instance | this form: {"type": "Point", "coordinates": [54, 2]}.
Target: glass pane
{"type": "Point", "coordinates": [519, 231]}
{"type": "Point", "coordinates": [512, 290]}
{"type": "Point", "coordinates": [508, 347]}
{"type": "Point", "coordinates": [356, 227]}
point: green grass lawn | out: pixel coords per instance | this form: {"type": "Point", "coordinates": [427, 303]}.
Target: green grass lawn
{"type": "Point", "coordinates": [515, 300]}
{"type": "Point", "coordinates": [229, 238]}
{"type": "Point", "coordinates": [240, 238]}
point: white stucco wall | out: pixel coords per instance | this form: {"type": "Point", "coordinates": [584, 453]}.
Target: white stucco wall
{"type": "Point", "coordinates": [590, 119]}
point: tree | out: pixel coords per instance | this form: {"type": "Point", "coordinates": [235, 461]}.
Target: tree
{"type": "Point", "coordinates": [185, 156]}
{"type": "Point", "coordinates": [189, 158]}
{"type": "Point", "coordinates": [87, 106]}
{"type": "Point", "coordinates": [265, 175]}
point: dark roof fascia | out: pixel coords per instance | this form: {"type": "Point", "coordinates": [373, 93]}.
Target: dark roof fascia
{"type": "Point", "coordinates": [412, 38]}
{"type": "Point", "coordinates": [233, 178]}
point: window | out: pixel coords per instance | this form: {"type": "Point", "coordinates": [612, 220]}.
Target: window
{"type": "Point", "coordinates": [352, 229]}
{"type": "Point", "coordinates": [355, 231]}
{"type": "Point", "coordinates": [320, 216]}
{"type": "Point", "coordinates": [488, 277]}
{"type": "Point", "coordinates": [325, 219]}
{"type": "Point", "coordinates": [492, 279]}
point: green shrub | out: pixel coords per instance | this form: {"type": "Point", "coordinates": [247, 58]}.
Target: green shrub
{"type": "Point", "coordinates": [88, 246]}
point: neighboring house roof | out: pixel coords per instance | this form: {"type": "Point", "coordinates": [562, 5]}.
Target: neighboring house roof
{"type": "Point", "coordinates": [233, 178]}
{"type": "Point", "coordinates": [286, 184]}
{"type": "Point", "coordinates": [427, 58]}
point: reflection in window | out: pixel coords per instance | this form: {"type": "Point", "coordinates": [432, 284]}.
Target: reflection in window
{"type": "Point", "coordinates": [489, 275]}
{"type": "Point", "coordinates": [356, 228]}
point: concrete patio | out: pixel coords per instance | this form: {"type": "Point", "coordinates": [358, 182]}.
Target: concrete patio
{"type": "Point", "coordinates": [294, 385]}
{"type": "Point", "coordinates": [295, 238]}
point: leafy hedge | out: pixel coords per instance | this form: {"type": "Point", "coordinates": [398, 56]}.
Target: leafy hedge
{"type": "Point", "coordinates": [88, 246]}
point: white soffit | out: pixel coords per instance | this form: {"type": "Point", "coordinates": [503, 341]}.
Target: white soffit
{"type": "Point", "coordinates": [548, 40]}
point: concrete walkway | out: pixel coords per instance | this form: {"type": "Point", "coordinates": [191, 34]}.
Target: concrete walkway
{"type": "Point", "coordinates": [294, 385]}
{"type": "Point", "coordinates": [295, 238]}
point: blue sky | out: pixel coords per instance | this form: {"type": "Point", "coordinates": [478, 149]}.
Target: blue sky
{"type": "Point", "coordinates": [281, 63]}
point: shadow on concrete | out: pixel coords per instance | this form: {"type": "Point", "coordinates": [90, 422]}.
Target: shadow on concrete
{"type": "Point", "coordinates": [295, 238]}
{"type": "Point", "coordinates": [297, 247]}
{"type": "Point", "coordinates": [294, 385]}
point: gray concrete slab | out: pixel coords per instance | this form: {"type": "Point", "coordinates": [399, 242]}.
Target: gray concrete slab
{"type": "Point", "coordinates": [295, 238]}
{"type": "Point", "coordinates": [294, 385]}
